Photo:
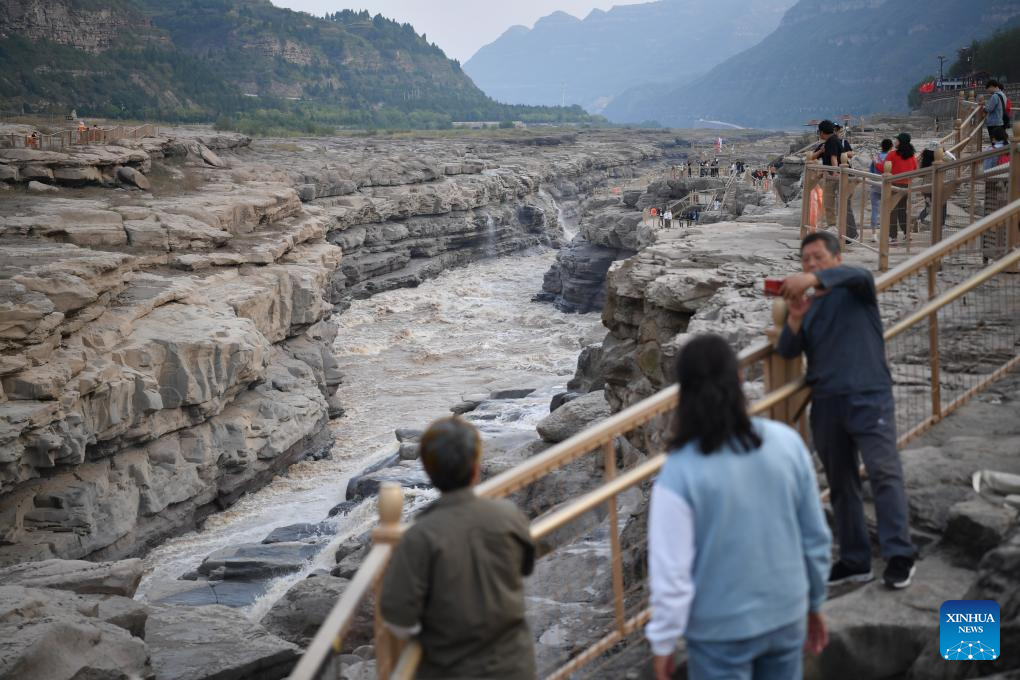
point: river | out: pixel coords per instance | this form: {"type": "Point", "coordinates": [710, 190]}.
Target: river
{"type": "Point", "coordinates": [407, 356]}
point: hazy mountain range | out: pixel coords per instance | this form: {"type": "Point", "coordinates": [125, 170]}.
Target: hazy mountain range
{"type": "Point", "coordinates": [825, 59]}
{"type": "Point", "coordinates": [745, 62]}
{"type": "Point", "coordinates": [591, 61]}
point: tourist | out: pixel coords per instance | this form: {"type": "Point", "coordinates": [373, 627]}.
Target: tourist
{"type": "Point", "coordinates": [995, 110]}
{"type": "Point", "coordinates": [847, 151]}
{"type": "Point", "coordinates": [902, 159]}
{"type": "Point", "coordinates": [841, 133]}
{"type": "Point", "coordinates": [829, 151]}
{"type": "Point", "coordinates": [689, 170]}
{"type": "Point", "coordinates": [839, 329]}
{"type": "Point", "coordinates": [667, 218]}
{"type": "Point", "coordinates": [455, 578]}
{"type": "Point", "coordinates": [734, 491]}
{"type": "Point", "coordinates": [878, 167]}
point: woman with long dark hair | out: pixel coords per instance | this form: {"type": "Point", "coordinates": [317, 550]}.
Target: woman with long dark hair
{"type": "Point", "coordinates": [738, 546]}
{"type": "Point", "coordinates": [903, 160]}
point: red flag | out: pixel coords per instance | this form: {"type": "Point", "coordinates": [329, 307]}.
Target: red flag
{"type": "Point", "coordinates": [927, 87]}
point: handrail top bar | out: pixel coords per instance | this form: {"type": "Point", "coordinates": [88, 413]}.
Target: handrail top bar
{"type": "Point", "coordinates": [579, 444]}
{"type": "Point", "coordinates": [606, 430]}
{"type": "Point", "coordinates": [946, 246]}
{"type": "Point", "coordinates": [575, 508]}
{"type": "Point", "coordinates": [342, 613]}
{"type": "Point", "coordinates": [963, 143]}
{"type": "Point", "coordinates": [920, 172]}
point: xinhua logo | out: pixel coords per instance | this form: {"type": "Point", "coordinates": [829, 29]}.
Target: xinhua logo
{"type": "Point", "coordinates": [969, 630]}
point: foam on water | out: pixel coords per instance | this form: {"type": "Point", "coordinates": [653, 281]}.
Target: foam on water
{"type": "Point", "coordinates": [406, 356]}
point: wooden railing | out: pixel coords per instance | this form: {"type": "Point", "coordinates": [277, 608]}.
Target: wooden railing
{"type": "Point", "coordinates": [75, 137]}
{"type": "Point", "coordinates": [938, 184]}
{"type": "Point", "coordinates": [933, 303]}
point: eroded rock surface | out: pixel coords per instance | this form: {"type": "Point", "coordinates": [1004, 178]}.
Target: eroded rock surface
{"type": "Point", "coordinates": [165, 349]}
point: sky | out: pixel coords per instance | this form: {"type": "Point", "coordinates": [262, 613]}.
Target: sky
{"type": "Point", "coordinates": [460, 27]}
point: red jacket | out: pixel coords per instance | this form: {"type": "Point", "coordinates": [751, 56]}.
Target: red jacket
{"type": "Point", "coordinates": [901, 165]}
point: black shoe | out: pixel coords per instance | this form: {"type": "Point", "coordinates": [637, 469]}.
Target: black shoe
{"type": "Point", "coordinates": [899, 571]}
{"type": "Point", "coordinates": [841, 573]}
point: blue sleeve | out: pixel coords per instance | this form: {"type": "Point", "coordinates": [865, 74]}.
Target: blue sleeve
{"type": "Point", "coordinates": [816, 540]}
{"type": "Point", "coordinates": [790, 344]}
{"type": "Point", "coordinates": [856, 279]}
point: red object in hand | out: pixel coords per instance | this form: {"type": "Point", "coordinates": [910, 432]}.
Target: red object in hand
{"type": "Point", "coordinates": [774, 287]}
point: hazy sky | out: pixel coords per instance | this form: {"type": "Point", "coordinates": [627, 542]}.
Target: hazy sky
{"type": "Point", "coordinates": [460, 27]}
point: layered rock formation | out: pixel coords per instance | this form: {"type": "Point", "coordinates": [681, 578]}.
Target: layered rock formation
{"type": "Point", "coordinates": [164, 351]}
{"type": "Point", "coordinates": [161, 356]}
{"type": "Point", "coordinates": [403, 212]}
{"type": "Point", "coordinates": [612, 228]}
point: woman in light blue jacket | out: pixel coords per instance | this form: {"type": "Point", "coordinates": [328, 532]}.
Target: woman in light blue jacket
{"type": "Point", "coordinates": [738, 546]}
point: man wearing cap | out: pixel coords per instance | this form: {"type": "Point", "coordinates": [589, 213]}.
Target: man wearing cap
{"type": "Point", "coordinates": [829, 151]}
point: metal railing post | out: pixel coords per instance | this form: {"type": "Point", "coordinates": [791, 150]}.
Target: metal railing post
{"type": "Point", "coordinates": [885, 211]}
{"type": "Point", "coordinates": [1013, 224]}
{"type": "Point", "coordinates": [937, 192]}
{"type": "Point", "coordinates": [810, 181]}
{"type": "Point", "coordinates": [933, 346]}
{"type": "Point", "coordinates": [841, 209]}
{"type": "Point", "coordinates": [977, 125]}
{"type": "Point", "coordinates": [975, 169]}
{"type": "Point", "coordinates": [387, 646]}
{"type": "Point", "coordinates": [864, 207]}
{"type": "Point", "coordinates": [780, 371]}
{"type": "Point", "coordinates": [609, 462]}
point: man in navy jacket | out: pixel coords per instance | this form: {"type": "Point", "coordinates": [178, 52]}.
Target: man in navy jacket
{"type": "Point", "coordinates": [839, 329]}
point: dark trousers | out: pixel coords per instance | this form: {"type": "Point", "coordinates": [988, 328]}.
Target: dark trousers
{"type": "Point", "coordinates": [992, 130]}
{"type": "Point", "coordinates": [898, 218]}
{"type": "Point", "coordinates": [842, 426]}
{"type": "Point", "coordinates": [851, 222]}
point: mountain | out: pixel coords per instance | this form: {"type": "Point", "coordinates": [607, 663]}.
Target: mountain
{"type": "Point", "coordinates": [825, 59]}
{"type": "Point", "coordinates": [998, 55]}
{"type": "Point", "coordinates": [195, 60]}
{"type": "Point", "coordinates": [590, 61]}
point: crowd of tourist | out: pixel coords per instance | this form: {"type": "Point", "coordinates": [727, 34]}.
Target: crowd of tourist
{"type": "Point", "coordinates": [833, 149]}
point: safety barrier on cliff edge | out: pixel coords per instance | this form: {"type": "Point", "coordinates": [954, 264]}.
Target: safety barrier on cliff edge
{"type": "Point", "coordinates": [64, 139]}
{"type": "Point", "coordinates": [952, 318]}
